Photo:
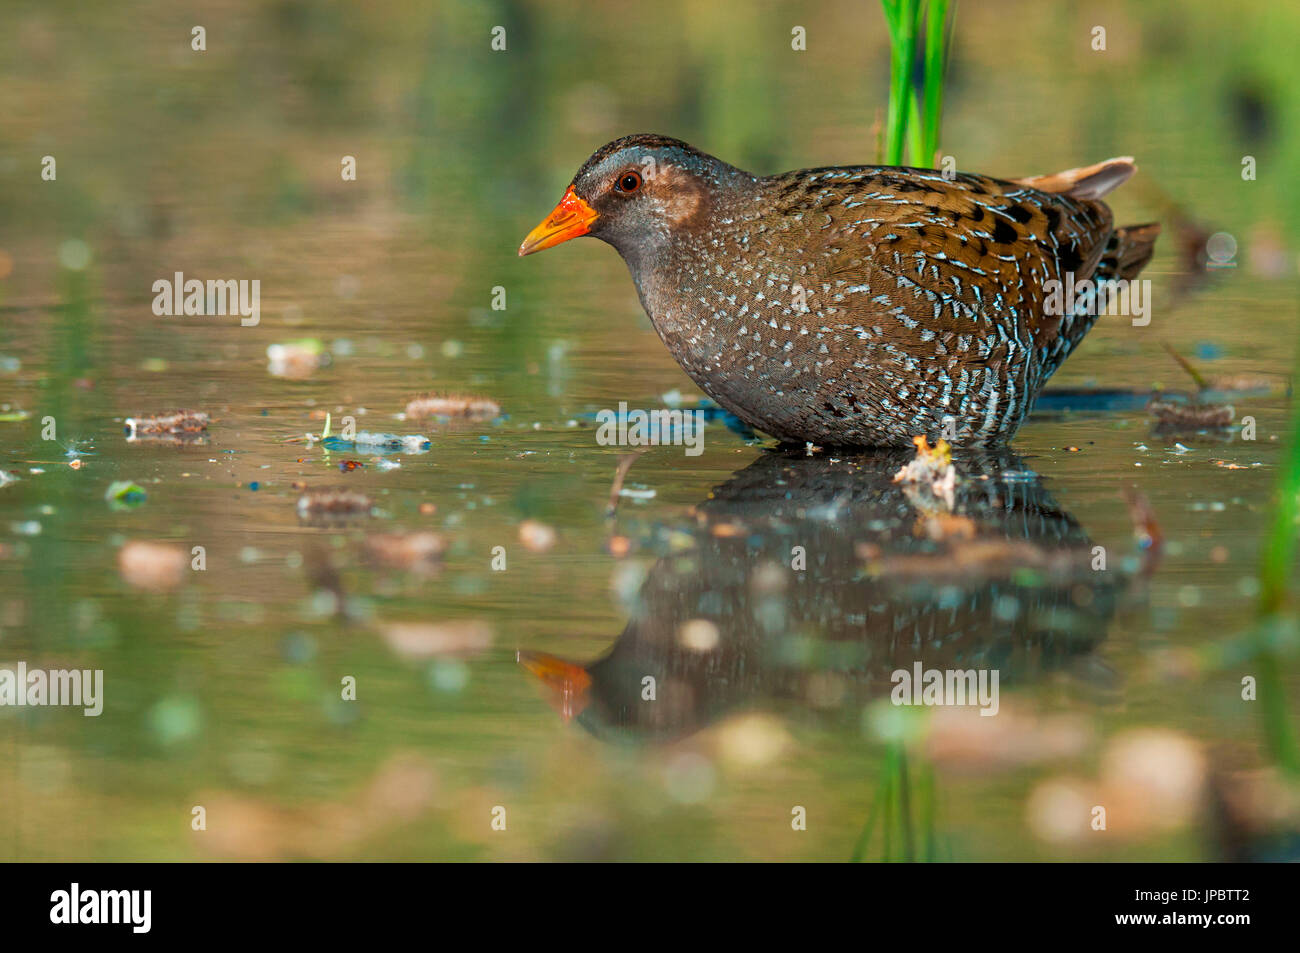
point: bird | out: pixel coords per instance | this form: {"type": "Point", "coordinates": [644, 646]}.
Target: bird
{"type": "Point", "coordinates": [856, 306]}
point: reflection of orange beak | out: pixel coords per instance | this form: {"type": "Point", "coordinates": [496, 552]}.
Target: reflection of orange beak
{"type": "Point", "coordinates": [567, 682]}
{"type": "Point", "coordinates": [571, 218]}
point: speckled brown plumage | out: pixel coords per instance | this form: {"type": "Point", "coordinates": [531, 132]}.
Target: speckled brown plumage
{"type": "Point", "coordinates": [855, 306]}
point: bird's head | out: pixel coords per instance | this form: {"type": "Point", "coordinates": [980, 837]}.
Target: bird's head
{"type": "Point", "coordinates": [636, 193]}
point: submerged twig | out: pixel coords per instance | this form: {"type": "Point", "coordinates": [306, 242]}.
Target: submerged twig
{"type": "Point", "coordinates": [1186, 365]}
{"type": "Point", "coordinates": [624, 464]}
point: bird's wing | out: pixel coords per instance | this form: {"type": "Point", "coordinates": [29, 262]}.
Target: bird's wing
{"type": "Point", "coordinates": [910, 253]}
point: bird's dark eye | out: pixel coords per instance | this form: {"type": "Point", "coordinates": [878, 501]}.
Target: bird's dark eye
{"type": "Point", "coordinates": [629, 182]}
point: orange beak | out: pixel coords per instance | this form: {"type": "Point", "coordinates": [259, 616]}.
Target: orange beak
{"type": "Point", "coordinates": [567, 683]}
{"type": "Point", "coordinates": [571, 218]}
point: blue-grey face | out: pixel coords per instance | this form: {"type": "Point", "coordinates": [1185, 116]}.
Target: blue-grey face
{"type": "Point", "coordinates": [639, 195]}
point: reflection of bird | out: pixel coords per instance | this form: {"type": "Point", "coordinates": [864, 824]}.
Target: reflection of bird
{"type": "Point", "coordinates": [854, 306]}
{"type": "Point", "coordinates": [1004, 582]}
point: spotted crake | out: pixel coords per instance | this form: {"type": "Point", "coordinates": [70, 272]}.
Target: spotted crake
{"type": "Point", "coordinates": [860, 305]}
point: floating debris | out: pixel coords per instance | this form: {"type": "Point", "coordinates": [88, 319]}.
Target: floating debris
{"type": "Point", "coordinates": [453, 407]}
{"type": "Point", "coordinates": [931, 469]}
{"type": "Point", "coordinates": [329, 503]}
{"type": "Point", "coordinates": [930, 464]}
{"type": "Point", "coordinates": [638, 491]}
{"type": "Point", "coordinates": [176, 423]}
{"type": "Point", "coordinates": [6, 478]}
{"type": "Point", "coordinates": [419, 553]}
{"type": "Point", "coordinates": [125, 495]}
{"type": "Point", "coordinates": [156, 567]}
{"type": "Point", "coordinates": [1190, 418]}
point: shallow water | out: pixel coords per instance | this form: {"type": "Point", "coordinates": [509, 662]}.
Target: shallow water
{"type": "Point", "coordinates": [226, 692]}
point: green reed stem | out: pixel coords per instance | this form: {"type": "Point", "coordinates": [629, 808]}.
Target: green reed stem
{"type": "Point", "coordinates": [914, 114]}
{"type": "Point", "coordinates": [900, 19]}
{"type": "Point", "coordinates": [935, 54]}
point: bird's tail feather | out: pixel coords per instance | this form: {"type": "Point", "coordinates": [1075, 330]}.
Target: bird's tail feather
{"type": "Point", "coordinates": [1128, 251]}
{"type": "Point", "coordinates": [1088, 182]}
